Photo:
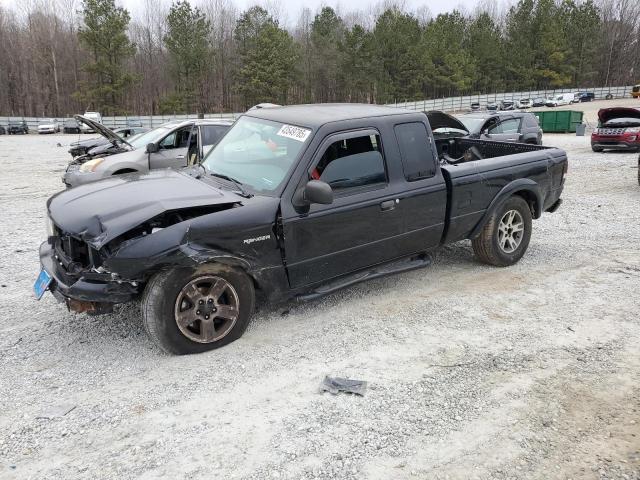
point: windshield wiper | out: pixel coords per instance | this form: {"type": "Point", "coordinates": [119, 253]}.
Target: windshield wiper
{"type": "Point", "coordinates": [235, 182]}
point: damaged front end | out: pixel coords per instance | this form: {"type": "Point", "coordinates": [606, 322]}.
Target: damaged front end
{"type": "Point", "coordinates": [79, 280]}
{"type": "Point", "coordinates": [92, 280]}
{"type": "Point", "coordinates": [108, 238]}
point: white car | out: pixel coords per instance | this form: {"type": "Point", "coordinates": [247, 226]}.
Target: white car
{"type": "Point", "coordinates": [93, 116]}
{"type": "Point", "coordinates": [561, 99]}
{"type": "Point", "coordinates": [523, 103]}
{"type": "Point", "coordinates": [49, 125]}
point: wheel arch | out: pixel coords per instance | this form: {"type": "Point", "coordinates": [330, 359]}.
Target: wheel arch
{"type": "Point", "coordinates": [122, 171]}
{"type": "Point", "coordinates": [525, 188]}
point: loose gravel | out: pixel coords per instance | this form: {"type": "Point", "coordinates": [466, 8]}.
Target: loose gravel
{"type": "Point", "coordinates": [531, 371]}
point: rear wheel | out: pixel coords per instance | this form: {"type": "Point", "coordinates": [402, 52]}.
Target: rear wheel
{"type": "Point", "coordinates": [505, 238]}
{"type": "Point", "coordinates": [194, 310]}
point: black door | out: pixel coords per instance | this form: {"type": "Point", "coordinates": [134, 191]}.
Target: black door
{"type": "Point", "coordinates": [358, 229]}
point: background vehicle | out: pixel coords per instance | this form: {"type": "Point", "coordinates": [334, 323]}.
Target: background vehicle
{"type": "Point", "coordinates": [618, 129]}
{"type": "Point", "coordinates": [71, 125]}
{"type": "Point", "coordinates": [561, 99]}
{"type": "Point", "coordinates": [172, 145]}
{"type": "Point", "coordinates": [584, 97]}
{"type": "Point", "coordinates": [523, 103]}
{"type": "Point", "coordinates": [539, 102]}
{"type": "Point", "coordinates": [17, 126]}
{"type": "Point", "coordinates": [506, 105]}
{"type": "Point", "coordinates": [94, 117]}
{"type": "Point", "coordinates": [48, 125]}
{"type": "Point", "coordinates": [82, 147]}
{"type": "Point", "coordinates": [2, 130]}
{"type": "Point", "coordinates": [505, 127]}
{"type": "Point", "coordinates": [635, 91]}
{"type": "Point", "coordinates": [295, 201]}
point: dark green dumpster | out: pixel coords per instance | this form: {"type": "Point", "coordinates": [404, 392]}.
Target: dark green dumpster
{"type": "Point", "coordinates": [559, 121]}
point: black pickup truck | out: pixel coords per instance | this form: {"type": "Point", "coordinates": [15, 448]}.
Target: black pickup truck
{"type": "Point", "coordinates": [294, 201]}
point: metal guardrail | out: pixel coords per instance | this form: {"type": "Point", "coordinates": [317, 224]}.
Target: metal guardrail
{"type": "Point", "coordinates": [149, 121]}
{"type": "Point", "coordinates": [457, 104]}
{"type": "Point", "coordinates": [448, 104]}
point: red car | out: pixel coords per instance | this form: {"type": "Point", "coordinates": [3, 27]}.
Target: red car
{"type": "Point", "coordinates": [618, 129]}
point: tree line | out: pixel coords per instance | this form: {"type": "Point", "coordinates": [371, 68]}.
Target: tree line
{"type": "Point", "coordinates": [59, 57]}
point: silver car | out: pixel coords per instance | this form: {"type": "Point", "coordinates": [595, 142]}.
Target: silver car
{"type": "Point", "coordinates": [172, 145]}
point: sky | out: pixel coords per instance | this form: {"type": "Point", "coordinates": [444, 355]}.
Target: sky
{"type": "Point", "coordinates": [292, 8]}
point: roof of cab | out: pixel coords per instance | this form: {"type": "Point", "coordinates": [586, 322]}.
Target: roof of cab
{"type": "Point", "coordinates": [316, 115]}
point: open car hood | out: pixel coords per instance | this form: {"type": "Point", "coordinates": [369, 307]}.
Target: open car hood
{"type": "Point", "coordinates": [99, 212]}
{"type": "Point", "coordinates": [606, 114]}
{"type": "Point", "coordinates": [438, 119]}
{"type": "Point", "coordinates": [107, 133]}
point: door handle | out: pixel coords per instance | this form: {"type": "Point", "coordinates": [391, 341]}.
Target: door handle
{"type": "Point", "coordinates": [388, 205]}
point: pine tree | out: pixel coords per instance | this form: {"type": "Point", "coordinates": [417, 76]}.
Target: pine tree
{"type": "Point", "coordinates": [327, 31]}
{"type": "Point", "coordinates": [187, 41]}
{"type": "Point", "coordinates": [268, 58]}
{"type": "Point", "coordinates": [398, 56]}
{"type": "Point", "coordinates": [104, 34]}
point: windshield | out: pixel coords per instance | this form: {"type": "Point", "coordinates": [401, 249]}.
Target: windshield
{"type": "Point", "coordinates": [473, 124]}
{"type": "Point", "coordinates": [152, 136]}
{"type": "Point", "coordinates": [257, 153]}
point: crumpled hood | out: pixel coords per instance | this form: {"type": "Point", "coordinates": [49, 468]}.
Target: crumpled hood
{"type": "Point", "coordinates": [606, 114]}
{"type": "Point", "coordinates": [100, 211]}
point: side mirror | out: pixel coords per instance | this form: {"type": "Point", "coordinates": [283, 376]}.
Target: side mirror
{"type": "Point", "coordinates": [152, 148]}
{"type": "Point", "coordinates": [315, 191]}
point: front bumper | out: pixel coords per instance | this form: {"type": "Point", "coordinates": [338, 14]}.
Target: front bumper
{"type": "Point", "coordinates": [617, 142]}
{"type": "Point", "coordinates": [99, 288]}
{"type": "Point", "coordinates": [73, 176]}
{"type": "Point", "coordinates": [46, 130]}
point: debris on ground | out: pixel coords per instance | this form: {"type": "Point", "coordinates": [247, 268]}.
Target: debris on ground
{"type": "Point", "coordinates": [335, 385]}
{"type": "Point", "coordinates": [57, 411]}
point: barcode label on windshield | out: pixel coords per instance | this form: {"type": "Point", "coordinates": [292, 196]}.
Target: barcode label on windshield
{"type": "Point", "coordinates": [296, 133]}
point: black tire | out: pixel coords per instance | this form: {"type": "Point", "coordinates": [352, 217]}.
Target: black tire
{"type": "Point", "coordinates": [159, 307]}
{"type": "Point", "coordinates": [487, 245]}
{"type": "Point", "coordinates": [639, 170]}
{"type": "Point", "coordinates": [596, 149]}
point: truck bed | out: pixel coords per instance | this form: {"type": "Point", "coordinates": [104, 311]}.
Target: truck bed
{"type": "Point", "coordinates": [501, 164]}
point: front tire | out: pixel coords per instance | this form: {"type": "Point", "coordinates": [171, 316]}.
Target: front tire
{"type": "Point", "coordinates": [187, 310]}
{"type": "Point", "coordinates": [596, 149]}
{"type": "Point", "coordinates": [505, 238]}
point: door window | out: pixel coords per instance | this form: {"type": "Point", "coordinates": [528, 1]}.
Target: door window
{"type": "Point", "coordinates": [176, 139]}
{"type": "Point", "coordinates": [495, 128]}
{"type": "Point", "coordinates": [511, 126]}
{"type": "Point", "coordinates": [211, 134]}
{"type": "Point", "coordinates": [352, 164]}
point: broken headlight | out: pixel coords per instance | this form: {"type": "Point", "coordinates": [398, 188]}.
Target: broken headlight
{"type": "Point", "coordinates": [91, 165]}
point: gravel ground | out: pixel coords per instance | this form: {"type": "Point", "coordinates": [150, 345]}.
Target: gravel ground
{"type": "Point", "coordinates": [531, 371]}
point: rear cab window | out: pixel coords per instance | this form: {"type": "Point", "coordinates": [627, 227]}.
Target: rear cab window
{"type": "Point", "coordinates": [417, 157]}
